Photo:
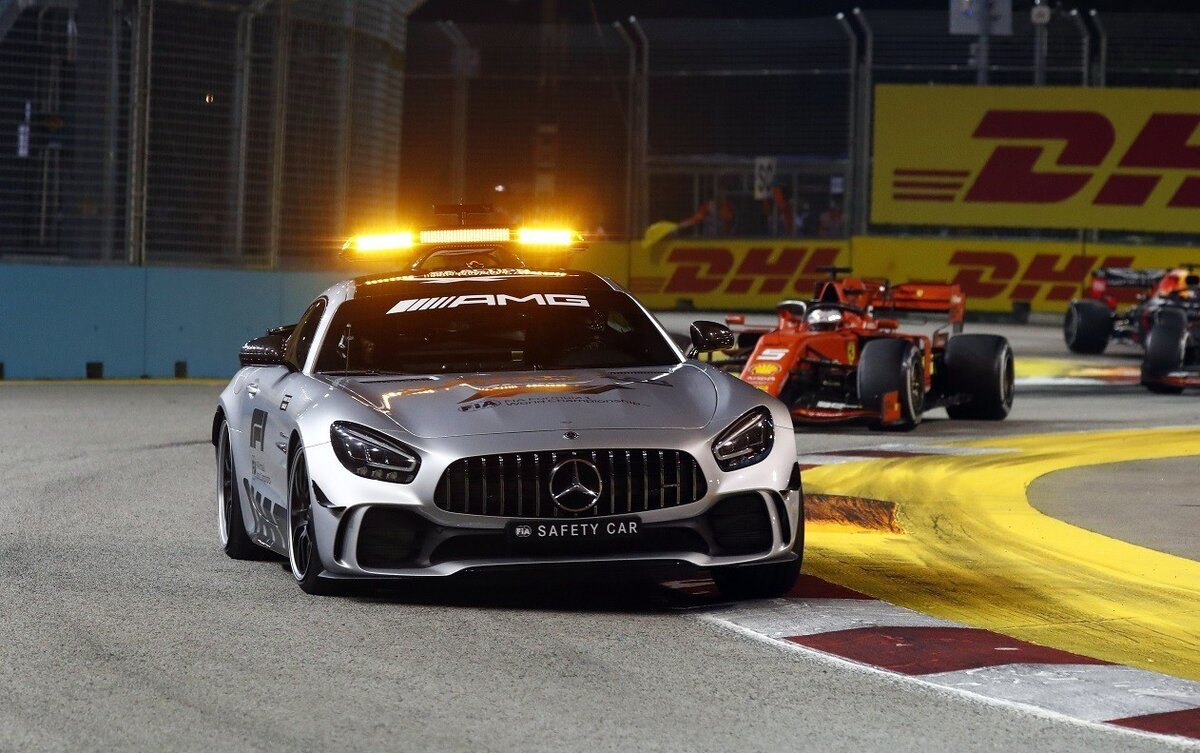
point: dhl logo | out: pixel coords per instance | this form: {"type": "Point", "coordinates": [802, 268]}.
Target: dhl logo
{"type": "Point", "coordinates": [1010, 174]}
{"type": "Point", "coordinates": [688, 270]}
{"type": "Point", "coordinates": [1066, 157]}
{"type": "Point", "coordinates": [986, 274]}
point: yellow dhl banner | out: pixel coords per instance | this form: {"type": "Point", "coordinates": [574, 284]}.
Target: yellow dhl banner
{"type": "Point", "coordinates": [754, 275]}
{"type": "Point", "coordinates": [1003, 276]}
{"type": "Point", "coordinates": [1053, 157]}
{"type": "Point", "coordinates": [734, 275]}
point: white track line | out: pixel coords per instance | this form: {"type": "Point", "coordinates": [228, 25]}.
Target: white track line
{"type": "Point", "coordinates": [946, 690]}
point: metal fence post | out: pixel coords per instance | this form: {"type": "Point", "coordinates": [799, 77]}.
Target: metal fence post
{"type": "Point", "coordinates": [139, 132]}
{"type": "Point", "coordinates": [985, 42]}
{"type": "Point", "coordinates": [854, 209]}
{"type": "Point", "coordinates": [867, 96]}
{"type": "Point", "coordinates": [643, 188]}
{"type": "Point", "coordinates": [343, 98]}
{"type": "Point", "coordinates": [279, 109]}
{"type": "Point", "coordinates": [1100, 73]}
{"type": "Point", "coordinates": [108, 190]}
{"type": "Point", "coordinates": [458, 119]}
{"type": "Point", "coordinates": [240, 126]}
{"type": "Point", "coordinates": [1086, 44]}
{"type": "Point", "coordinates": [630, 136]}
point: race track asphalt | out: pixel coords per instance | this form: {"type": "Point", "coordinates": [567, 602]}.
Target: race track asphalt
{"type": "Point", "coordinates": [124, 627]}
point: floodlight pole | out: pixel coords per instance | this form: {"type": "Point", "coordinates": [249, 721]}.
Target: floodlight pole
{"type": "Point", "coordinates": [853, 149]}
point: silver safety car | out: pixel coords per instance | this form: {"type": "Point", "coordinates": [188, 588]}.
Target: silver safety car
{"type": "Point", "coordinates": [425, 423]}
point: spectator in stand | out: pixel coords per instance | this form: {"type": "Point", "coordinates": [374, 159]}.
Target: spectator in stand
{"type": "Point", "coordinates": [804, 222]}
{"type": "Point", "coordinates": [714, 217]}
{"type": "Point", "coordinates": [778, 211]}
{"type": "Point", "coordinates": [833, 222]}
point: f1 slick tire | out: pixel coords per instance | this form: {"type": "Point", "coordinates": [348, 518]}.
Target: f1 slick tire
{"type": "Point", "coordinates": [756, 581]}
{"type": "Point", "coordinates": [891, 366]}
{"type": "Point", "coordinates": [231, 526]}
{"type": "Point", "coordinates": [1088, 326]}
{"type": "Point", "coordinates": [1166, 351]}
{"type": "Point", "coordinates": [980, 369]}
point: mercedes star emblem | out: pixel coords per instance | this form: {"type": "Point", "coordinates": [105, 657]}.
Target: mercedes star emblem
{"type": "Point", "coordinates": [576, 484]}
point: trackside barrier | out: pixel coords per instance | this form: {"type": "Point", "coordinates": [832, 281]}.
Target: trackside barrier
{"type": "Point", "coordinates": [753, 275]}
{"type": "Point", "coordinates": [135, 322]}
{"type": "Point", "coordinates": [54, 320]}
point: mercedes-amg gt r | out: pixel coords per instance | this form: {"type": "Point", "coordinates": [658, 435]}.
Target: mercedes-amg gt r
{"type": "Point", "coordinates": [422, 424]}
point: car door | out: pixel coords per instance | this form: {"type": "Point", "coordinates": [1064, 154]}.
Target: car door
{"type": "Point", "coordinates": [269, 425]}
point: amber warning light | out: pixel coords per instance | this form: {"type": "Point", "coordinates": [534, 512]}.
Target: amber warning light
{"type": "Point", "coordinates": [382, 243]}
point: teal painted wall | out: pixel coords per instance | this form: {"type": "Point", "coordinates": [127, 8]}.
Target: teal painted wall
{"type": "Point", "coordinates": [140, 321]}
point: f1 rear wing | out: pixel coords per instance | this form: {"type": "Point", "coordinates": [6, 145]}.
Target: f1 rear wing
{"type": "Point", "coordinates": [1124, 277]}
{"type": "Point", "coordinates": [927, 297]}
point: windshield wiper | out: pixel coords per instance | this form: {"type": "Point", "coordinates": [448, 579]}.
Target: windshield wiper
{"type": "Point", "coordinates": [363, 372]}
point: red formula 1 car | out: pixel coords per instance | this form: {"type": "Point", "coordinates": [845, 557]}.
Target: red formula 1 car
{"type": "Point", "coordinates": [1164, 320]}
{"type": "Point", "coordinates": [834, 359]}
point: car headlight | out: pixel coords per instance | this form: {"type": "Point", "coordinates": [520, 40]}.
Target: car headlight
{"type": "Point", "coordinates": [747, 441]}
{"type": "Point", "coordinates": [373, 455]}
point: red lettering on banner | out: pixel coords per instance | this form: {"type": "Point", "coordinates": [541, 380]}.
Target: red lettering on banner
{"type": "Point", "coordinates": [775, 272]}
{"type": "Point", "coordinates": [701, 269]}
{"type": "Point", "coordinates": [1126, 190]}
{"type": "Point", "coordinates": [1008, 175]}
{"type": "Point", "coordinates": [1164, 143]}
{"type": "Point", "coordinates": [999, 268]}
{"type": "Point", "coordinates": [1043, 270]}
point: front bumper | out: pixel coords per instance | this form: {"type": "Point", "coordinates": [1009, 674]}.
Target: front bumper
{"type": "Point", "coordinates": [390, 541]}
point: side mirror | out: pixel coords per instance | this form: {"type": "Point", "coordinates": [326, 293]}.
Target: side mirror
{"type": "Point", "coordinates": [268, 350]}
{"type": "Point", "coordinates": [710, 336]}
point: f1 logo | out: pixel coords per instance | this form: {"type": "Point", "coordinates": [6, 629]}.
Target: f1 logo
{"type": "Point", "coordinates": [258, 429]}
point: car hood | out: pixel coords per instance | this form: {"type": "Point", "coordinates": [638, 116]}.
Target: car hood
{"type": "Point", "coordinates": [676, 397]}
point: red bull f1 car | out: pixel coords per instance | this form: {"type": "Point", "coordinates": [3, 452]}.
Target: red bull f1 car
{"type": "Point", "coordinates": [1164, 320]}
{"type": "Point", "coordinates": [836, 359]}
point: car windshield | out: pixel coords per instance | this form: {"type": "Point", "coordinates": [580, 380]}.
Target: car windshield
{"type": "Point", "coordinates": [492, 332]}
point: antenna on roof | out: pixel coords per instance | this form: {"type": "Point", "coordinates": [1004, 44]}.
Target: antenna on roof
{"type": "Point", "coordinates": [462, 211]}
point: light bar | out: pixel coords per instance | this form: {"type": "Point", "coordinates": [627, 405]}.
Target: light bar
{"type": "Point", "coordinates": [467, 235]}
{"type": "Point", "coordinates": [544, 236]}
{"type": "Point", "coordinates": [383, 242]}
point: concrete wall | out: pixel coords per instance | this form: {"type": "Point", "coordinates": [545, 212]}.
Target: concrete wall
{"type": "Point", "coordinates": [141, 321]}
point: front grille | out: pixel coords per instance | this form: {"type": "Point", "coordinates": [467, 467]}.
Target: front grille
{"type": "Point", "coordinates": [517, 485]}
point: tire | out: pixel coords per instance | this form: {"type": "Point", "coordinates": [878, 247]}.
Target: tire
{"type": "Point", "coordinates": [981, 368]}
{"type": "Point", "coordinates": [892, 365]}
{"type": "Point", "coordinates": [231, 526]}
{"type": "Point", "coordinates": [757, 581]}
{"type": "Point", "coordinates": [1087, 326]}
{"type": "Point", "coordinates": [1166, 351]}
{"type": "Point", "coordinates": [304, 558]}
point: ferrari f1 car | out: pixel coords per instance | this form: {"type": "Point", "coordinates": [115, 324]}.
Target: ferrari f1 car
{"type": "Point", "coordinates": [836, 359]}
{"type": "Point", "coordinates": [1164, 321]}
{"type": "Point", "coordinates": [417, 425]}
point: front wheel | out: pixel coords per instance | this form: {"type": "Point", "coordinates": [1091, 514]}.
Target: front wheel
{"type": "Point", "coordinates": [1166, 351]}
{"type": "Point", "coordinates": [757, 581]}
{"type": "Point", "coordinates": [303, 555]}
{"type": "Point", "coordinates": [980, 373]}
{"type": "Point", "coordinates": [891, 380]}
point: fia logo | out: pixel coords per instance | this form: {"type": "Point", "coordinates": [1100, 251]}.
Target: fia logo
{"type": "Point", "coordinates": [523, 532]}
{"type": "Point", "coordinates": [258, 429]}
